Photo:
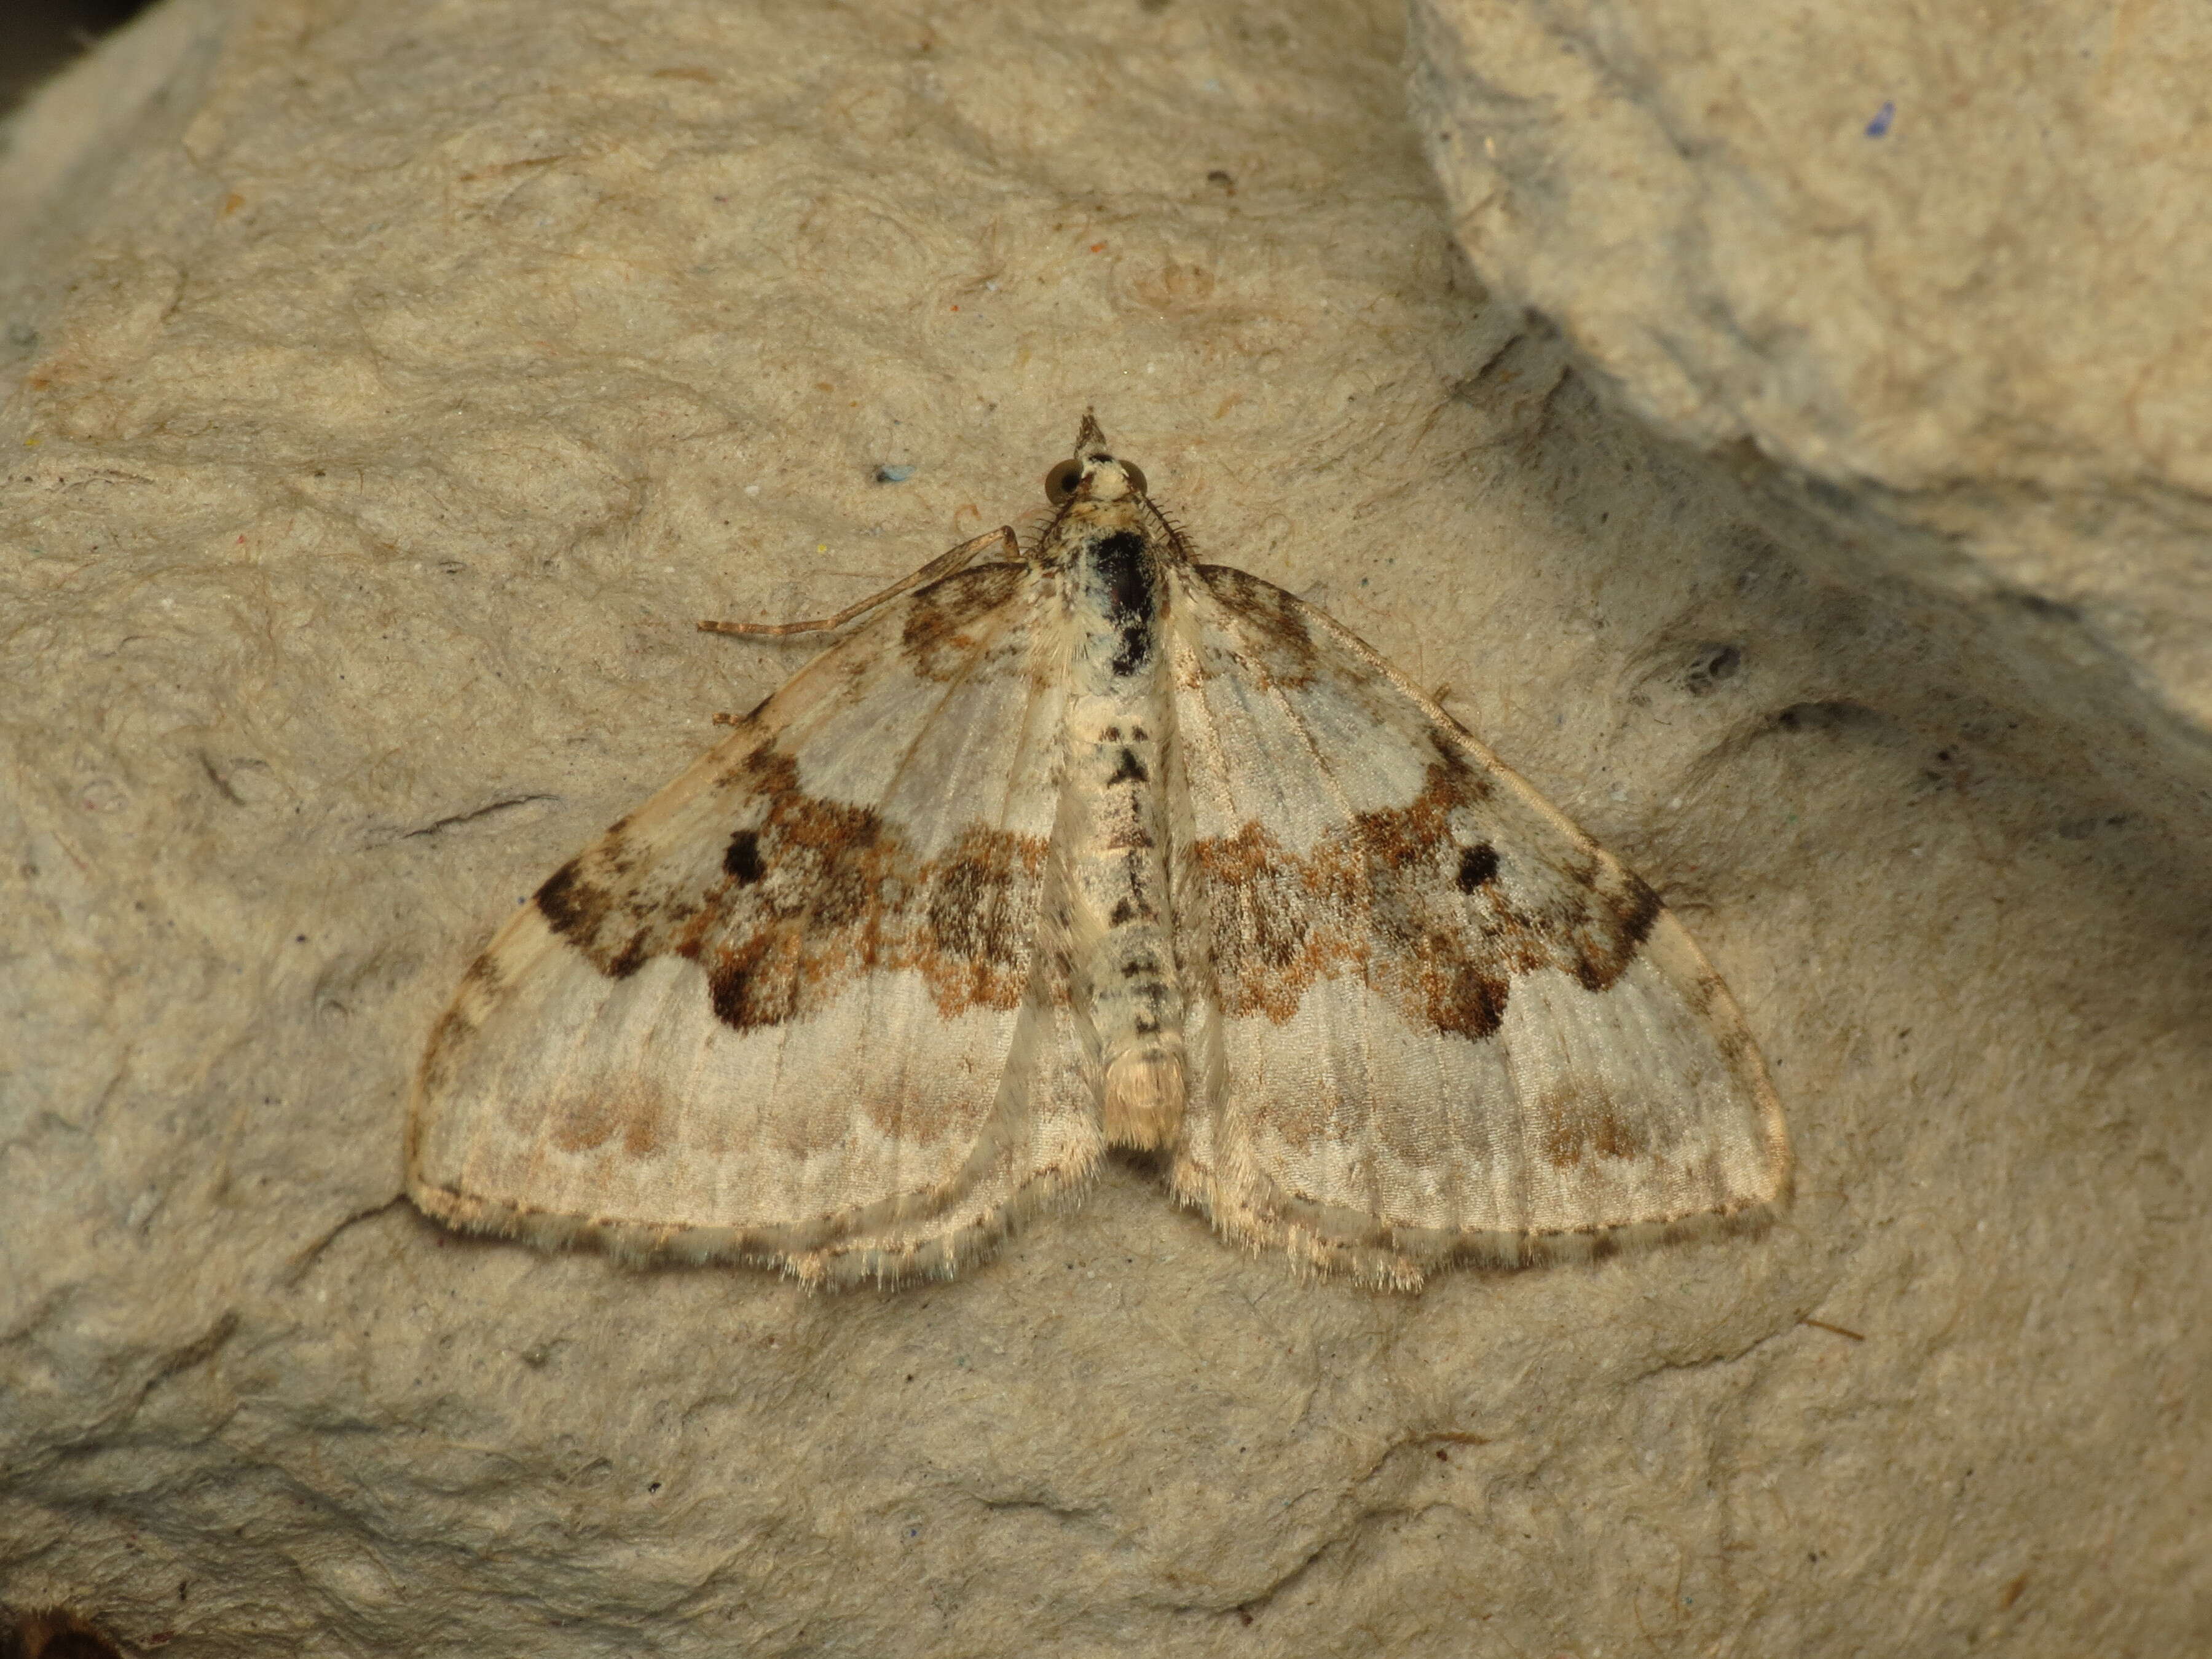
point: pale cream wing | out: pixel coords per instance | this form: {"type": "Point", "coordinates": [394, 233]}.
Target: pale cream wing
{"type": "Point", "coordinates": [794, 1010]}
{"type": "Point", "coordinates": [1430, 1018]}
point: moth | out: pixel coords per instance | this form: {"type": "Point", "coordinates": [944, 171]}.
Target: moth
{"type": "Point", "coordinates": [1083, 847]}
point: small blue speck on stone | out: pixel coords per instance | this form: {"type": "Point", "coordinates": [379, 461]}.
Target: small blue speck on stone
{"type": "Point", "coordinates": [1878, 127]}
{"type": "Point", "coordinates": [893, 474]}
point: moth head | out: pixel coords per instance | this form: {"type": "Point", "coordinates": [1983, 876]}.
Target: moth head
{"type": "Point", "coordinates": [1092, 474]}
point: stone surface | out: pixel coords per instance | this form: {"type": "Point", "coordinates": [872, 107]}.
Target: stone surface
{"type": "Point", "coordinates": [393, 387]}
{"type": "Point", "coordinates": [1952, 263]}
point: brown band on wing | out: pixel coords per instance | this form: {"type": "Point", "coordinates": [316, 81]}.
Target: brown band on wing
{"type": "Point", "coordinates": [1580, 1120]}
{"type": "Point", "coordinates": [817, 894]}
{"type": "Point", "coordinates": [1385, 898]}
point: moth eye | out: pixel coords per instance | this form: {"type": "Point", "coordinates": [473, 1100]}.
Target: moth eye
{"type": "Point", "coordinates": [1059, 483]}
{"type": "Point", "coordinates": [1136, 474]}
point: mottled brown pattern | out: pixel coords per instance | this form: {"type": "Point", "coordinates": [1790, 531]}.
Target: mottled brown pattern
{"type": "Point", "coordinates": [1580, 1123]}
{"type": "Point", "coordinates": [936, 641]}
{"type": "Point", "coordinates": [634, 1110]}
{"type": "Point", "coordinates": [453, 1028]}
{"type": "Point", "coordinates": [1709, 997]}
{"type": "Point", "coordinates": [1382, 899]}
{"type": "Point", "coordinates": [485, 976]}
{"type": "Point", "coordinates": [1285, 655]}
{"type": "Point", "coordinates": [644, 1121]}
{"type": "Point", "coordinates": [979, 919]}
{"type": "Point", "coordinates": [583, 1122]}
{"type": "Point", "coordinates": [814, 896]}
{"type": "Point", "coordinates": [581, 902]}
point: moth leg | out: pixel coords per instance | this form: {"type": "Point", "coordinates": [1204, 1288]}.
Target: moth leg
{"type": "Point", "coordinates": [944, 565]}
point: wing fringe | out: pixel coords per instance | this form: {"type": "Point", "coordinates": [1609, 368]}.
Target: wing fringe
{"type": "Point", "coordinates": [838, 1255]}
{"type": "Point", "coordinates": [1330, 1241]}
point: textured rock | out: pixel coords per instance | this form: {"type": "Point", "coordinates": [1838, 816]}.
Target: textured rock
{"type": "Point", "coordinates": [1952, 263]}
{"type": "Point", "coordinates": [392, 388]}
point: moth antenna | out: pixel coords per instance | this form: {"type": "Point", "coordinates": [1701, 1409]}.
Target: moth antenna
{"type": "Point", "coordinates": [944, 565]}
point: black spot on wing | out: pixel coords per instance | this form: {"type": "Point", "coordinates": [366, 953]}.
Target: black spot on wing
{"type": "Point", "coordinates": [741, 862]}
{"type": "Point", "coordinates": [1129, 769]}
{"type": "Point", "coordinates": [1477, 865]}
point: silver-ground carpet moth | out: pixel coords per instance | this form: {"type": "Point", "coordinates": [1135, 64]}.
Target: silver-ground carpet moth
{"type": "Point", "coordinates": [1091, 846]}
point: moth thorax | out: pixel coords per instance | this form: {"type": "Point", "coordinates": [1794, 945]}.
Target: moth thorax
{"type": "Point", "coordinates": [1144, 1099]}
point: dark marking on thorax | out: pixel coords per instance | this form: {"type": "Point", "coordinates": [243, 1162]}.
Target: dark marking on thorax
{"type": "Point", "coordinates": [1126, 577]}
{"type": "Point", "coordinates": [1129, 769]}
